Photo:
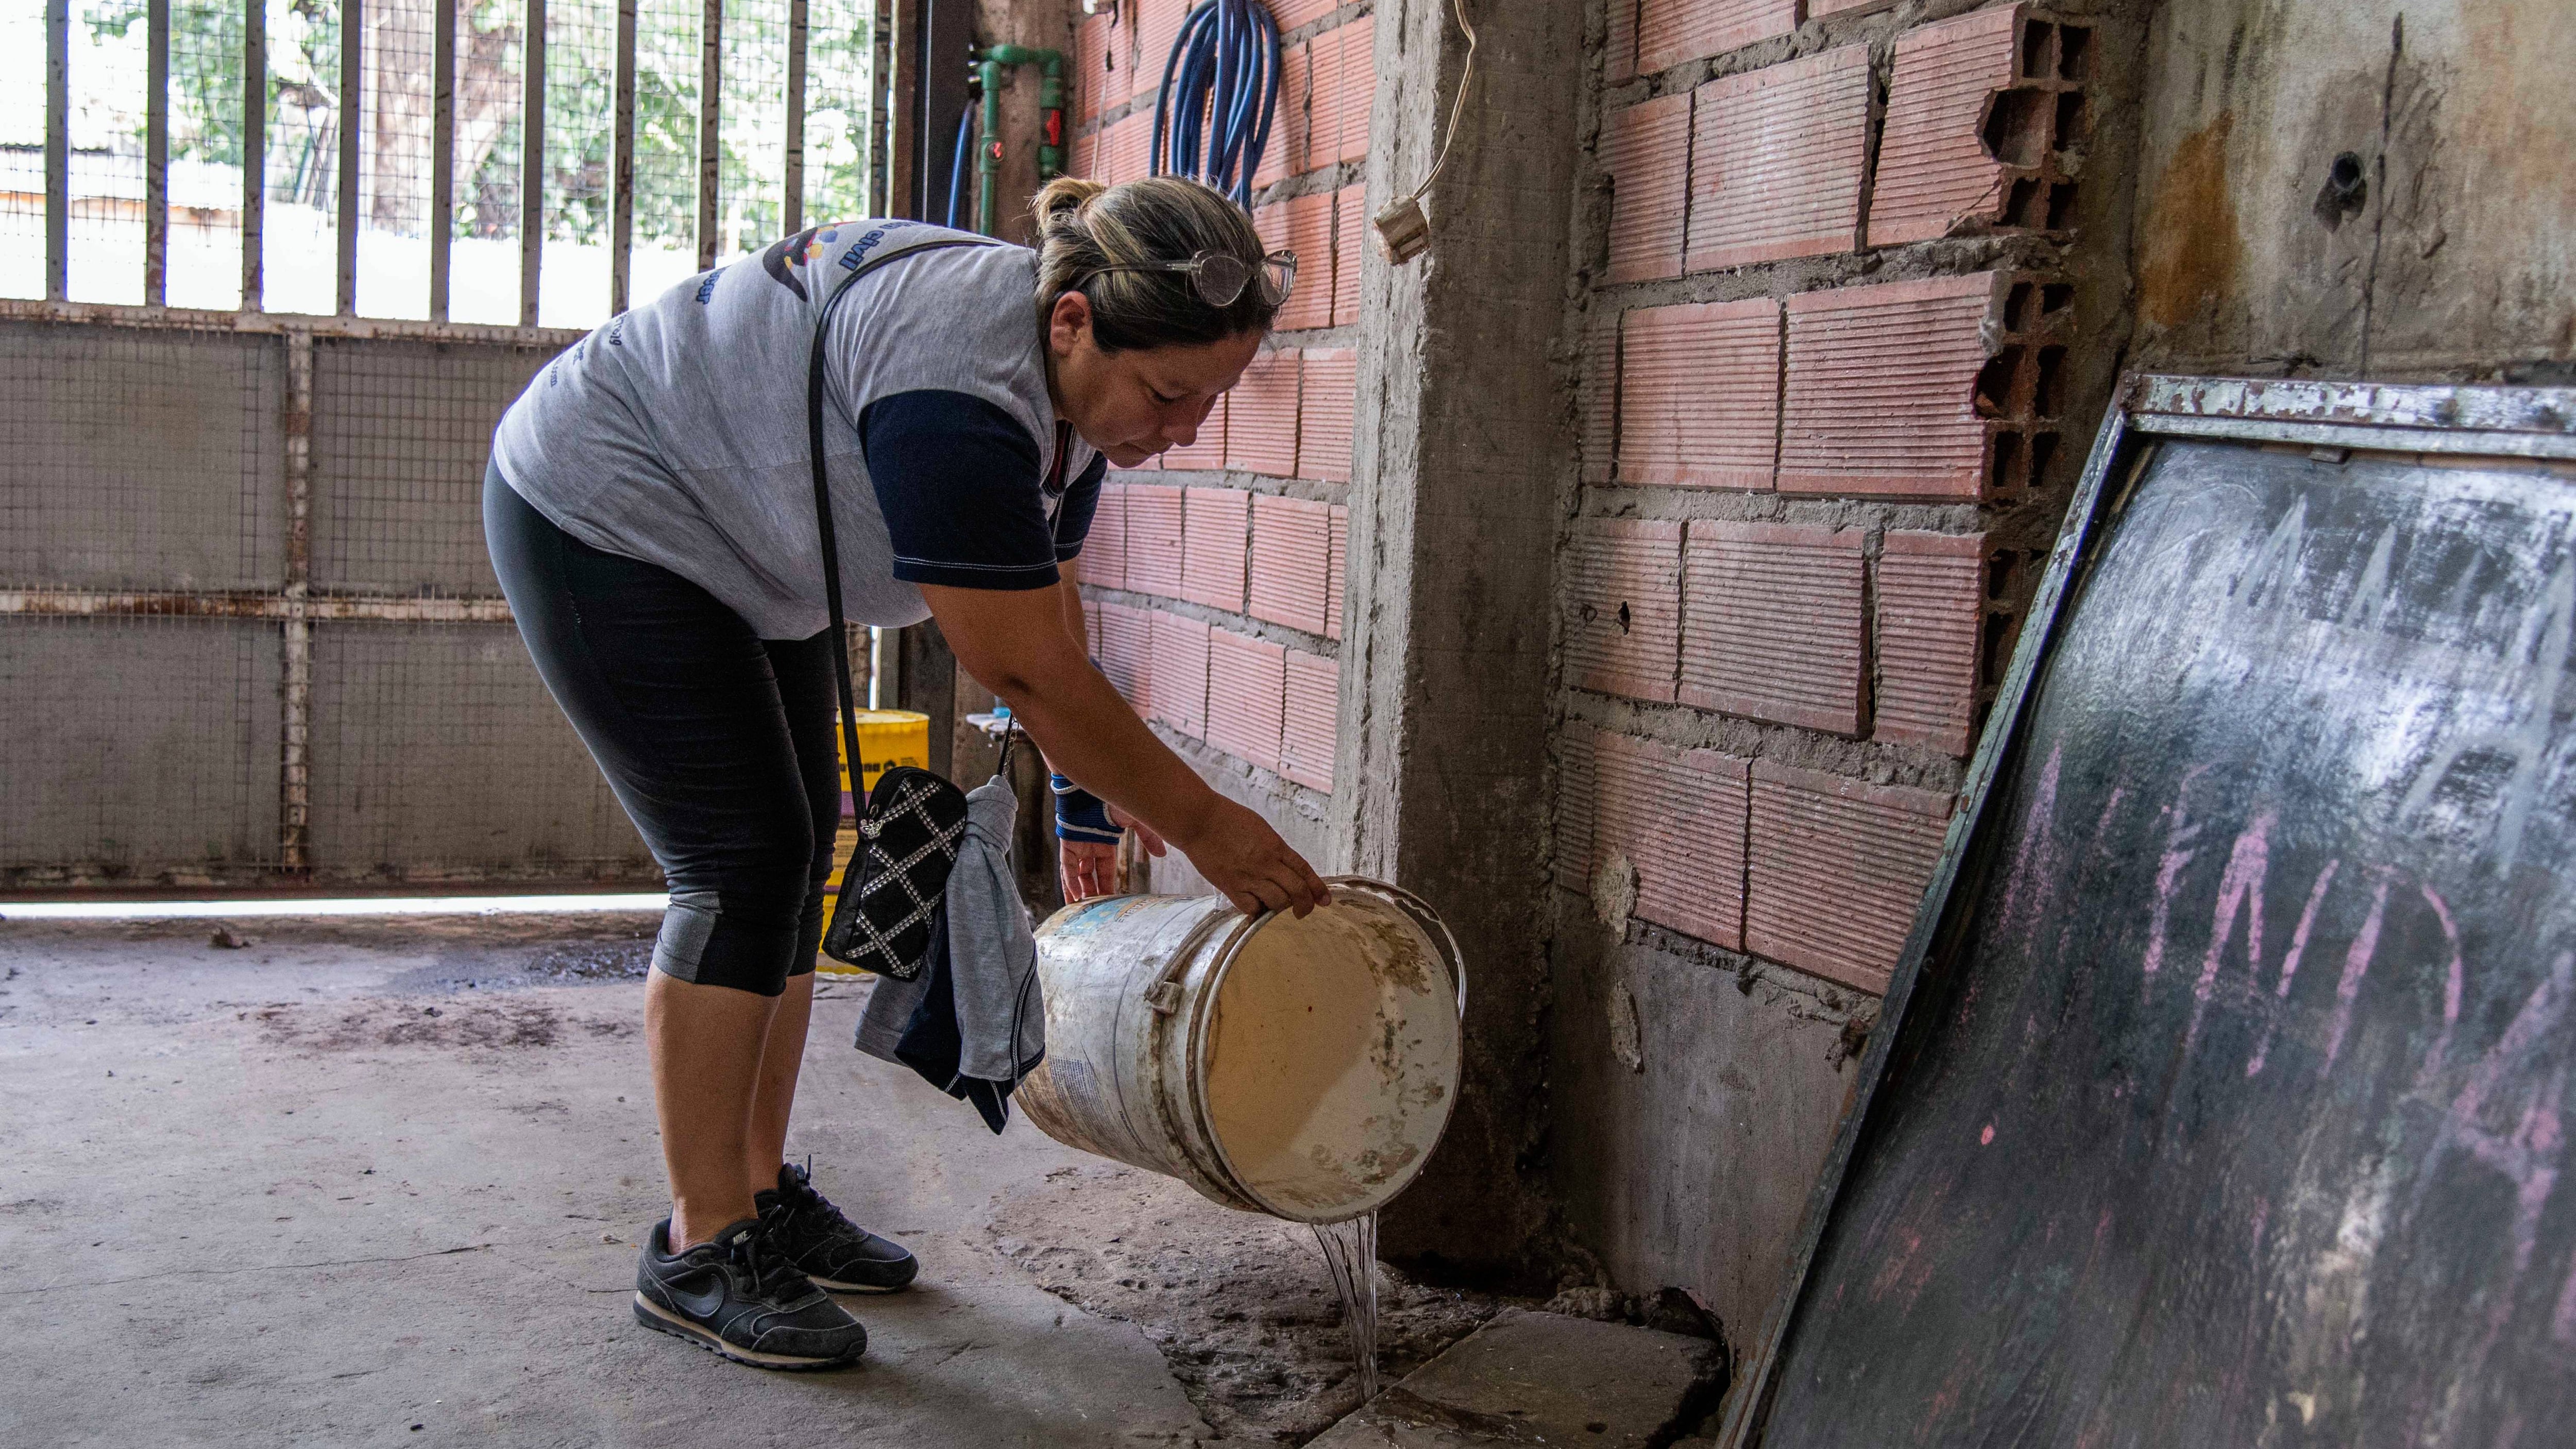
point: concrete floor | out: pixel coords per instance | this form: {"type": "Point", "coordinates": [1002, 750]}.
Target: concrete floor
{"type": "Point", "coordinates": [320, 1191]}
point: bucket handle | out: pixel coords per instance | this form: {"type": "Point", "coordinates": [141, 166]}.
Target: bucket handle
{"type": "Point", "coordinates": [1422, 916]}
{"type": "Point", "coordinates": [1163, 993]}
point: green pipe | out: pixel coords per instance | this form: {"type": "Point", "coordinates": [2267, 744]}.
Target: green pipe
{"type": "Point", "coordinates": [990, 62]}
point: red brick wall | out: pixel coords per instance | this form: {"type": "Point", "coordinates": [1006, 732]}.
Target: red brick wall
{"type": "Point", "coordinates": [1216, 572]}
{"type": "Point", "coordinates": [1820, 389]}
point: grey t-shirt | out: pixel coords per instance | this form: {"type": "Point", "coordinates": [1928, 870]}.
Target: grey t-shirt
{"type": "Point", "coordinates": [677, 432]}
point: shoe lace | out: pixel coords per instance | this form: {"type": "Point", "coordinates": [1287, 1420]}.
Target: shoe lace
{"type": "Point", "coordinates": [773, 1274]}
{"type": "Point", "coordinates": [799, 1197]}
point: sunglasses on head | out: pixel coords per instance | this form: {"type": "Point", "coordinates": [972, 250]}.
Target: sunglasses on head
{"type": "Point", "coordinates": [1218, 278]}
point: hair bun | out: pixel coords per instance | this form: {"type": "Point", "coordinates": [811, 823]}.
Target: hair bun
{"type": "Point", "coordinates": [1062, 195]}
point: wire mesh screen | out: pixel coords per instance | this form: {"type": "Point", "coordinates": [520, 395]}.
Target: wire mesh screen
{"type": "Point", "coordinates": [300, 248]}
{"type": "Point", "coordinates": [438, 754]}
{"type": "Point", "coordinates": [109, 89]}
{"type": "Point", "coordinates": [838, 64]}
{"type": "Point", "coordinates": [395, 117]}
{"type": "Point", "coordinates": [204, 267]}
{"type": "Point", "coordinates": [581, 113]}
{"type": "Point", "coordinates": [401, 432]}
{"type": "Point", "coordinates": [483, 267]}
{"type": "Point", "coordinates": [666, 145]}
{"type": "Point", "coordinates": [22, 153]}
{"type": "Point", "coordinates": [140, 459]}
{"type": "Point", "coordinates": [753, 160]}
{"type": "Point", "coordinates": [139, 750]}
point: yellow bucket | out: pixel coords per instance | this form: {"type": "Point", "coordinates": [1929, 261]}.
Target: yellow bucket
{"type": "Point", "coordinates": [886, 737]}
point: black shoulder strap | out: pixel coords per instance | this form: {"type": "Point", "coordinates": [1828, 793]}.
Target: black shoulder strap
{"type": "Point", "coordinates": [823, 503]}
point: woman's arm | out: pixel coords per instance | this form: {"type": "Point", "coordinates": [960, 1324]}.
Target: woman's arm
{"type": "Point", "coordinates": [1025, 645]}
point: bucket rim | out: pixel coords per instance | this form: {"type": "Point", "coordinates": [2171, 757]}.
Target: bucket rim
{"type": "Point", "coordinates": [1413, 911]}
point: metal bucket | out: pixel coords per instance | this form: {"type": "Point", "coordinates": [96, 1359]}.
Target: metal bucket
{"type": "Point", "coordinates": [1300, 1068]}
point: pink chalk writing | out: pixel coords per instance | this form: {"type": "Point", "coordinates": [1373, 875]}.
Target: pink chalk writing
{"type": "Point", "coordinates": [2290, 961]}
{"type": "Point", "coordinates": [2356, 964]}
{"type": "Point", "coordinates": [2452, 986]}
{"type": "Point", "coordinates": [2180, 831]}
{"type": "Point", "coordinates": [2240, 887]}
{"type": "Point", "coordinates": [2526, 1154]}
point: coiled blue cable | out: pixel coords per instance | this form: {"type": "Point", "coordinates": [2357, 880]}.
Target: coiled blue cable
{"type": "Point", "coordinates": [1223, 78]}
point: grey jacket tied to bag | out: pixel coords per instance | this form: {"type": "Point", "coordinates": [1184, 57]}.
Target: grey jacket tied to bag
{"type": "Point", "coordinates": [974, 1023]}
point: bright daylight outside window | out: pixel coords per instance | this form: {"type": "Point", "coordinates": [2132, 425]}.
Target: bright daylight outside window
{"type": "Point", "coordinates": [105, 118]}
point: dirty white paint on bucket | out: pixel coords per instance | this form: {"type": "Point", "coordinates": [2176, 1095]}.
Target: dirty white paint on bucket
{"type": "Point", "coordinates": [1301, 1068]}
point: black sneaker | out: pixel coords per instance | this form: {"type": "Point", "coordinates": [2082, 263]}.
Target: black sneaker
{"type": "Point", "coordinates": [830, 1249]}
{"type": "Point", "coordinates": [737, 1295]}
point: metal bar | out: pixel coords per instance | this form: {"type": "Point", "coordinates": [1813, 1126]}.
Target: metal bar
{"type": "Point", "coordinates": [353, 86]}
{"type": "Point", "coordinates": [710, 127]}
{"type": "Point", "coordinates": [880, 123]}
{"type": "Point", "coordinates": [442, 155]}
{"type": "Point", "coordinates": [2338, 435]}
{"type": "Point", "coordinates": [2543, 410]}
{"type": "Point", "coordinates": [58, 148]}
{"type": "Point", "coordinates": [156, 155]}
{"type": "Point", "coordinates": [902, 118]}
{"type": "Point", "coordinates": [254, 152]}
{"type": "Point", "coordinates": [532, 161]}
{"type": "Point", "coordinates": [296, 714]}
{"type": "Point", "coordinates": [314, 608]}
{"type": "Point", "coordinates": [621, 190]}
{"type": "Point", "coordinates": [272, 323]}
{"type": "Point", "coordinates": [793, 210]}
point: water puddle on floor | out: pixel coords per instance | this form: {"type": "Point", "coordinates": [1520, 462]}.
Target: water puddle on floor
{"type": "Point", "coordinates": [1350, 1252]}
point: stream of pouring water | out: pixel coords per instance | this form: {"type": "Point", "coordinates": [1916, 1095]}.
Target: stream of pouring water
{"type": "Point", "coordinates": [1350, 1252]}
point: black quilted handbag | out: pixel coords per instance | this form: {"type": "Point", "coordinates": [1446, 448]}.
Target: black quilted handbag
{"type": "Point", "coordinates": [891, 889]}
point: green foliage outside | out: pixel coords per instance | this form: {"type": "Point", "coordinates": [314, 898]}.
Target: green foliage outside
{"type": "Point", "coordinates": [303, 36]}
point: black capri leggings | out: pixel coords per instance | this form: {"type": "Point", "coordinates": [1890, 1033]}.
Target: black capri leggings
{"type": "Point", "coordinates": [718, 742]}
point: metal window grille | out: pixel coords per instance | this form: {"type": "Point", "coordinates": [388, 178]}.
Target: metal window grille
{"type": "Point", "coordinates": [373, 158]}
{"type": "Point", "coordinates": [256, 326]}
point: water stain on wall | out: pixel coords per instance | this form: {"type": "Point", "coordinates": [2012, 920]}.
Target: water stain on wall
{"type": "Point", "coordinates": [2192, 245]}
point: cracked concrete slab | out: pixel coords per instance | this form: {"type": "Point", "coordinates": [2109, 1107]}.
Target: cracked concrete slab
{"type": "Point", "coordinates": [318, 1191]}
{"type": "Point", "coordinates": [1544, 1378]}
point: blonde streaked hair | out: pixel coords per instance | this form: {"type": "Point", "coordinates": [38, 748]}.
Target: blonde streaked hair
{"type": "Point", "coordinates": [1084, 226]}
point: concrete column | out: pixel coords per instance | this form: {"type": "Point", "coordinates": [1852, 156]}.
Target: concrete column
{"type": "Point", "coordinates": [1463, 437]}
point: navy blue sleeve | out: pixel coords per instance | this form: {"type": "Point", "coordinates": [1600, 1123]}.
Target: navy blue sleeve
{"type": "Point", "coordinates": [957, 481]}
{"type": "Point", "coordinates": [1073, 520]}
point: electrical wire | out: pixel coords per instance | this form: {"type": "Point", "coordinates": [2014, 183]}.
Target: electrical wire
{"type": "Point", "coordinates": [1457, 107]}
{"type": "Point", "coordinates": [957, 167]}
{"type": "Point", "coordinates": [1212, 112]}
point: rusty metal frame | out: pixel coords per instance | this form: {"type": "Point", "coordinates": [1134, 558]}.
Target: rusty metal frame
{"type": "Point", "coordinates": [2480, 421]}
{"type": "Point", "coordinates": [201, 320]}
{"type": "Point", "coordinates": [249, 604]}
{"type": "Point", "coordinates": [58, 147]}
{"type": "Point", "coordinates": [442, 154]}
{"type": "Point", "coordinates": [254, 223]}
{"type": "Point", "coordinates": [710, 128]}
{"type": "Point", "coordinates": [156, 154]}
{"type": "Point", "coordinates": [532, 160]}
{"type": "Point", "coordinates": [294, 606]}
{"type": "Point", "coordinates": [621, 175]}
{"type": "Point", "coordinates": [791, 209]}
{"type": "Point", "coordinates": [353, 89]}
{"type": "Point", "coordinates": [2519, 422]}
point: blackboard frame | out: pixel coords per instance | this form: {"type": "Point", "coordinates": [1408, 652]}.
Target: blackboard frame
{"type": "Point", "coordinates": [2332, 419]}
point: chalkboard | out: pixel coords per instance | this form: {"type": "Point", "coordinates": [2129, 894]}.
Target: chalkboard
{"type": "Point", "coordinates": [2224, 1097]}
